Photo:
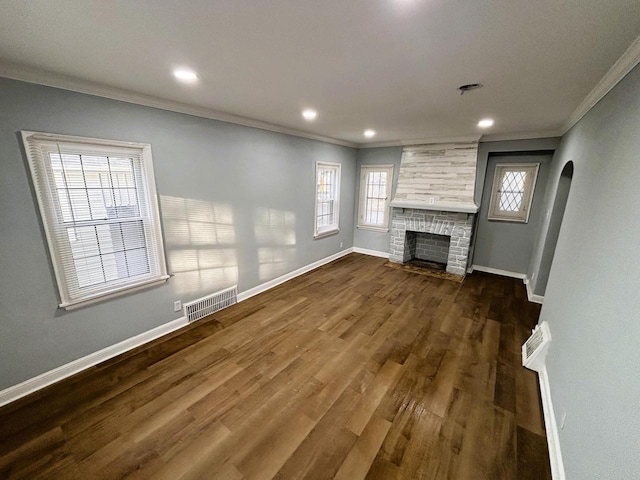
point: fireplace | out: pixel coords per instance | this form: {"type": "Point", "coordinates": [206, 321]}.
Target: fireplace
{"type": "Point", "coordinates": [433, 210]}
{"type": "Point", "coordinates": [409, 224]}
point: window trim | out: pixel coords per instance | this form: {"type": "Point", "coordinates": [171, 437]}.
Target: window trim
{"type": "Point", "coordinates": [331, 231]}
{"type": "Point", "coordinates": [364, 170]}
{"type": "Point", "coordinates": [521, 216]}
{"type": "Point", "coordinates": [34, 149]}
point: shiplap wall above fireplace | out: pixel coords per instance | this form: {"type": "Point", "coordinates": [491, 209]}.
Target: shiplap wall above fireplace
{"type": "Point", "coordinates": [438, 176]}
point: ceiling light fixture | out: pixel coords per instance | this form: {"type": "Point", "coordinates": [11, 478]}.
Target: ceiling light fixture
{"type": "Point", "coordinates": [185, 75]}
{"type": "Point", "coordinates": [485, 123]}
{"type": "Point", "coordinates": [309, 114]}
{"type": "Point", "coordinates": [369, 133]}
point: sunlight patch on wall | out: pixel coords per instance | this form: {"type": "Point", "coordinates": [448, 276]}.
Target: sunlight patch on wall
{"type": "Point", "coordinates": [200, 241]}
{"type": "Point", "coordinates": [275, 232]}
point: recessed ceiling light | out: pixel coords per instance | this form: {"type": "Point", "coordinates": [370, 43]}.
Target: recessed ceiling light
{"type": "Point", "coordinates": [185, 75]}
{"type": "Point", "coordinates": [369, 133]}
{"type": "Point", "coordinates": [485, 123]}
{"type": "Point", "coordinates": [309, 114]}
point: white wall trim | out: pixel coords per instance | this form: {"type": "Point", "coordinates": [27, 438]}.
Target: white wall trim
{"type": "Point", "coordinates": [629, 59]}
{"type": "Point", "coordinates": [373, 253]}
{"type": "Point", "coordinates": [42, 77]}
{"type": "Point", "coordinates": [533, 298]}
{"type": "Point", "coordinates": [43, 380]}
{"type": "Point", "coordinates": [498, 137]}
{"type": "Point", "coordinates": [52, 376]}
{"type": "Point", "coordinates": [553, 439]}
{"type": "Point", "coordinates": [497, 271]}
{"type": "Point", "coordinates": [288, 276]}
{"type": "Point", "coordinates": [505, 273]}
{"type": "Point", "coordinates": [421, 141]}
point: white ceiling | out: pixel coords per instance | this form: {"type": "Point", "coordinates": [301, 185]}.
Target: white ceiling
{"type": "Point", "coordinates": [390, 65]}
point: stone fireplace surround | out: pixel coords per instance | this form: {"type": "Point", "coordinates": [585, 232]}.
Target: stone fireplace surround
{"type": "Point", "coordinates": [457, 225]}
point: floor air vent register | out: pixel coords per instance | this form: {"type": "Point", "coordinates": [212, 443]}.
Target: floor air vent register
{"type": "Point", "coordinates": [534, 350]}
{"type": "Point", "coordinates": [209, 304]}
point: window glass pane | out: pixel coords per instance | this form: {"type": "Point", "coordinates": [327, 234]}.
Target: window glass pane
{"type": "Point", "coordinates": [511, 193]}
{"type": "Point", "coordinates": [93, 187]}
{"type": "Point", "coordinates": [375, 197]}
{"type": "Point", "coordinates": [327, 197]}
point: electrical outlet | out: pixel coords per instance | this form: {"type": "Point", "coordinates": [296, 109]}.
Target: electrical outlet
{"type": "Point", "coordinates": [177, 306]}
{"type": "Point", "coordinates": [341, 244]}
{"type": "Point", "coordinates": [563, 420]}
{"type": "Point", "coordinates": [432, 200]}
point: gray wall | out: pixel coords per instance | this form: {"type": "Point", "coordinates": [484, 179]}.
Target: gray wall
{"type": "Point", "coordinates": [509, 245]}
{"type": "Point", "coordinates": [556, 213]}
{"type": "Point", "coordinates": [370, 239]}
{"type": "Point", "coordinates": [592, 302]}
{"type": "Point", "coordinates": [485, 149]}
{"type": "Point", "coordinates": [392, 155]}
{"type": "Point", "coordinates": [237, 205]}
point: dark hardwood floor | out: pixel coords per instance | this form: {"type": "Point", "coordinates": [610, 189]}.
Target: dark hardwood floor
{"type": "Point", "coordinates": [351, 371]}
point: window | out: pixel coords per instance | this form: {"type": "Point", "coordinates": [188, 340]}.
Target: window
{"type": "Point", "coordinates": [512, 192]}
{"type": "Point", "coordinates": [99, 208]}
{"type": "Point", "coordinates": [327, 199]}
{"type": "Point", "coordinates": [375, 190]}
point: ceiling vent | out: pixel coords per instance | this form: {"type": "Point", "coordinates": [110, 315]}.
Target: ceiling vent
{"type": "Point", "coordinates": [534, 351]}
{"type": "Point", "coordinates": [468, 87]}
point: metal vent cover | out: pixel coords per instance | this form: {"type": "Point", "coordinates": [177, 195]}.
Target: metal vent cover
{"type": "Point", "coordinates": [534, 350]}
{"type": "Point", "coordinates": [209, 304]}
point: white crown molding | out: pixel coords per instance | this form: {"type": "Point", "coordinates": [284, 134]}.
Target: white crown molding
{"type": "Point", "coordinates": [421, 141]}
{"type": "Point", "coordinates": [629, 59]}
{"type": "Point", "coordinates": [502, 137]}
{"type": "Point", "coordinates": [41, 77]}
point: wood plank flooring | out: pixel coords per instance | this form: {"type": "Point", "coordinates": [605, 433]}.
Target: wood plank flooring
{"type": "Point", "coordinates": [351, 371]}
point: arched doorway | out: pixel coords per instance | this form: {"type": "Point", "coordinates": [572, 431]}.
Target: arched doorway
{"type": "Point", "coordinates": [559, 205]}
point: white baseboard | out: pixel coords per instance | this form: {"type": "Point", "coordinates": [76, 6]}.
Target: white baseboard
{"type": "Point", "coordinates": [288, 276]}
{"type": "Point", "coordinates": [373, 253]}
{"type": "Point", "coordinates": [52, 376]}
{"type": "Point", "coordinates": [553, 440]}
{"type": "Point", "coordinates": [533, 298]}
{"type": "Point", "coordinates": [34, 384]}
{"type": "Point", "coordinates": [505, 273]}
{"type": "Point", "coordinates": [497, 271]}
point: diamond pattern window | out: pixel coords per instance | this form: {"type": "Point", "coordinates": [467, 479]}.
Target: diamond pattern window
{"type": "Point", "coordinates": [327, 199]}
{"type": "Point", "coordinates": [375, 191]}
{"type": "Point", "coordinates": [512, 192]}
{"type": "Point", "coordinates": [99, 208]}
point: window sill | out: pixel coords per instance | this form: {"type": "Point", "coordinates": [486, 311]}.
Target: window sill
{"type": "Point", "coordinates": [374, 229]}
{"type": "Point", "coordinates": [328, 233]}
{"type": "Point", "coordinates": [99, 297]}
{"type": "Point", "coordinates": [508, 219]}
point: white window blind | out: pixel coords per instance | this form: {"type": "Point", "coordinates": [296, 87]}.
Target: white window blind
{"type": "Point", "coordinates": [375, 191]}
{"type": "Point", "coordinates": [99, 208]}
{"type": "Point", "coordinates": [512, 192]}
{"type": "Point", "coordinates": [327, 198]}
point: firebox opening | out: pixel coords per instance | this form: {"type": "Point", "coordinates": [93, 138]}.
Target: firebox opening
{"type": "Point", "coordinates": [427, 250]}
